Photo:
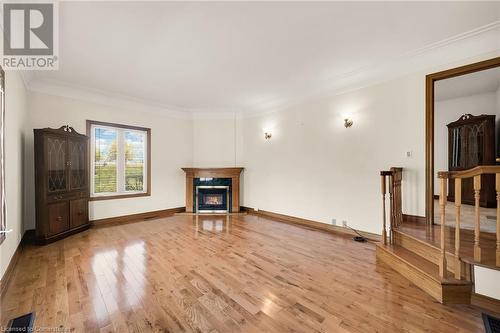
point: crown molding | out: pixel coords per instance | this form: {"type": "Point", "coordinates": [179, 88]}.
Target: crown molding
{"type": "Point", "coordinates": [63, 89]}
{"type": "Point", "coordinates": [449, 53]}
{"type": "Point", "coordinates": [443, 54]}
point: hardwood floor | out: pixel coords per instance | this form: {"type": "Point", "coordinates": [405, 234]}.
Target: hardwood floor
{"type": "Point", "coordinates": [218, 274]}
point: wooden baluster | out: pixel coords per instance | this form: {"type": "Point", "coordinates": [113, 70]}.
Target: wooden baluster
{"type": "Point", "coordinates": [442, 206]}
{"type": "Point", "coordinates": [396, 200]}
{"type": "Point", "coordinates": [477, 225]}
{"type": "Point", "coordinates": [458, 203]}
{"type": "Point", "coordinates": [397, 196]}
{"type": "Point", "coordinates": [498, 218]}
{"type": "Point", "coordinates": [383, 190]}
{"type": "Point", "coordinates": [400, 211]}
{"type": "Point", "coordinates": [400, 199]}
{"type": "Point", "coordinates": [391, 205]}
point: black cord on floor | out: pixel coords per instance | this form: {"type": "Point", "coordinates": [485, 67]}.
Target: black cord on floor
{"type": "Point", "coordinates": [360, 238]}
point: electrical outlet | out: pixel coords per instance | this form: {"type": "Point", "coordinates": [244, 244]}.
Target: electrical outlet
{"type": "Point", "coordinates": [334, 221]}
{"type": "Point", "coordinates": [344, 224]}
{"type": "Point", "coordinates": [409, 154]}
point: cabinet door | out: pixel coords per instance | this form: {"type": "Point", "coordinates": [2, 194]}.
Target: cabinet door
{"type": "Point", "coordinates": [56, 158]}
{"type": "Point", "coordinates": [77, 150]}
{"type": "Point", "coordinates": [78, 212]}
{"type": "Point", "coordinates": [58, 217]}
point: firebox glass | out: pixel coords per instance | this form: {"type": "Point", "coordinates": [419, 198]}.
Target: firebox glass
{"type": "Point", "coordinates": [213, 199]}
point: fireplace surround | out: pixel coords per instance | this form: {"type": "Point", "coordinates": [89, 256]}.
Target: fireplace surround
{"type": "Point", "coordinates": [219, 188]}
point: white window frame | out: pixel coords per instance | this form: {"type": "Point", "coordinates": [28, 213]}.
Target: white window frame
{"type": "Point", "coordinates": [120, 160]}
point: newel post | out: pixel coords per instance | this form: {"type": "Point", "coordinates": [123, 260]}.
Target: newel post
{"type": "Point", "coordinates": [458, 203]}
{"type": "Point", "coordinates": [498, 219]}
{"type": "Point", "coordinates": [477, 225]}
{"type": "Point", "coordinates": [443, 177]}
{"type": "Point", "coordinates": [392, 208]}
{"type": "Point", "coordinates": [384, 215]}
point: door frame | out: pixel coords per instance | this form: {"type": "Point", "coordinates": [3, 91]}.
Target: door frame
{"type": "Point", "coordinates": [430, 79]}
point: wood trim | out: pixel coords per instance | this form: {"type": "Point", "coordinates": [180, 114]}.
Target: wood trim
{"type": "Point", "coordinates": [414, 218]}
{"type": "Point", "coordinates": [137, 217]}
{"type": "Point", "coordinates": [429, 123]}
{"type": "Point", "coordinates": [213, 172]}
{"type": "Point", "coordinates": [148, 163]}
{"type": "Point", "coordinates": [28, 237]}
{"type": "Point", "coordinates": [312, 224]}
{"type": "Point", "coordinates": [103, 123]}
{"type": "Point", "coordinates": [485, 302]}
{"type": "Point", "coordinates": [469, 173]}
{"type": "Point", "coordinates": [120, 196]}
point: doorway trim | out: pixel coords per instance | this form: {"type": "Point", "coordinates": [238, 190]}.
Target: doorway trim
{"type": "Point", "coordinates": [430, 79]}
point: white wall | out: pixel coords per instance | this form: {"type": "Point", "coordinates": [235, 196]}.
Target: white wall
{"type": "Point", "coordinates": [15, 136]}
{"type": "Point", "coordinates": [450, 110]}
{"type": "Point", "coordinates": [213, 142]}
{"type": "Point", "coordinates": [314, 168]}
{"type": "Point", "coordinates": [487, 282]}
{"type": "Point", "coordinates": [171, 149]}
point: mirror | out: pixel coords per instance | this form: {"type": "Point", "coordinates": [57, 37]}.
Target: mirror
{"type": "Point", "coordinates": [466, 134]}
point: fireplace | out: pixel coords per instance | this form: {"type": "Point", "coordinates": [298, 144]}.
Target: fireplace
{"type": "Point", "coordinates": [220, 190]}
{"type": "Point", "coordinates": [212, 199]}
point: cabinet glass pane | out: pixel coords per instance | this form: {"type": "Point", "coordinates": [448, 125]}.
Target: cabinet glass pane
{"type": "Point", "coordinates": [475, 145]}
{"type": "Point", "coordinates": [134, 160]}
{"type": "Point", "coordinates": [77, 164]}
{"type": "Point", "coordinates": [56, 163]}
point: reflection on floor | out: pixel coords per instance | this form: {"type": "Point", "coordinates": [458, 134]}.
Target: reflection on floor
{"type": "Point", "coordinates": [488, 216]}
{"type": "Point", "coordinates": [218, 274]}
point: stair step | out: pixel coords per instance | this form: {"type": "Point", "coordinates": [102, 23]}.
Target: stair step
{"type": "Point", "coordinates": [425, 274]}
{"type": "Point", "coordinates": [429, 251]}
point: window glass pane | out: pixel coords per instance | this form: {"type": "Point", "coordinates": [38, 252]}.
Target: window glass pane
{"type": "Point", "coordinates": [105, 158]}
{"type": "Point", "coordinates": [134, 160]}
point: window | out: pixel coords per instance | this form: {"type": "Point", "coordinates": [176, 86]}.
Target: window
{"type": "Point", "coordinates": [119, 160]}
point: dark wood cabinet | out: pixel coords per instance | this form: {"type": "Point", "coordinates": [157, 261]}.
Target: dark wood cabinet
{"type": "Point", "coordinates": [471, 142]}
{"type": "Point", "coordinates": [61, 183]}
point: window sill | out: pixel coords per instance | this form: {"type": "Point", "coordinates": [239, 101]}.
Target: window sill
{"type": "Point", "coordinates": [120, 196]}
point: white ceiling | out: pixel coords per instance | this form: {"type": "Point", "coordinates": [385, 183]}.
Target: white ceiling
{"type": "Point", "coordinates": [241, 56]}
{"type": "Point", "coordinates": [483, 82]}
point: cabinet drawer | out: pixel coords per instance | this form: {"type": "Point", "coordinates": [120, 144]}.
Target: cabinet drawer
{"type": "Point", "coordinates": [58, 217]}
{"type": "Point", "coordinates": [78, 212]}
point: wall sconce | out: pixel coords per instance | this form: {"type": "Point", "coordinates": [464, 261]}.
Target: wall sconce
{"type": "Point", "coordinates": [348, 122]}
{"type": "Point", "coordinates": [267, 135]}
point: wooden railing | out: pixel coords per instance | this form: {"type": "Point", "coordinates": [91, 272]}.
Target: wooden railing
{"type": "Point", "coordinates": [476, 174]}
{"type": "Point", "coordinates": [391, 179]}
